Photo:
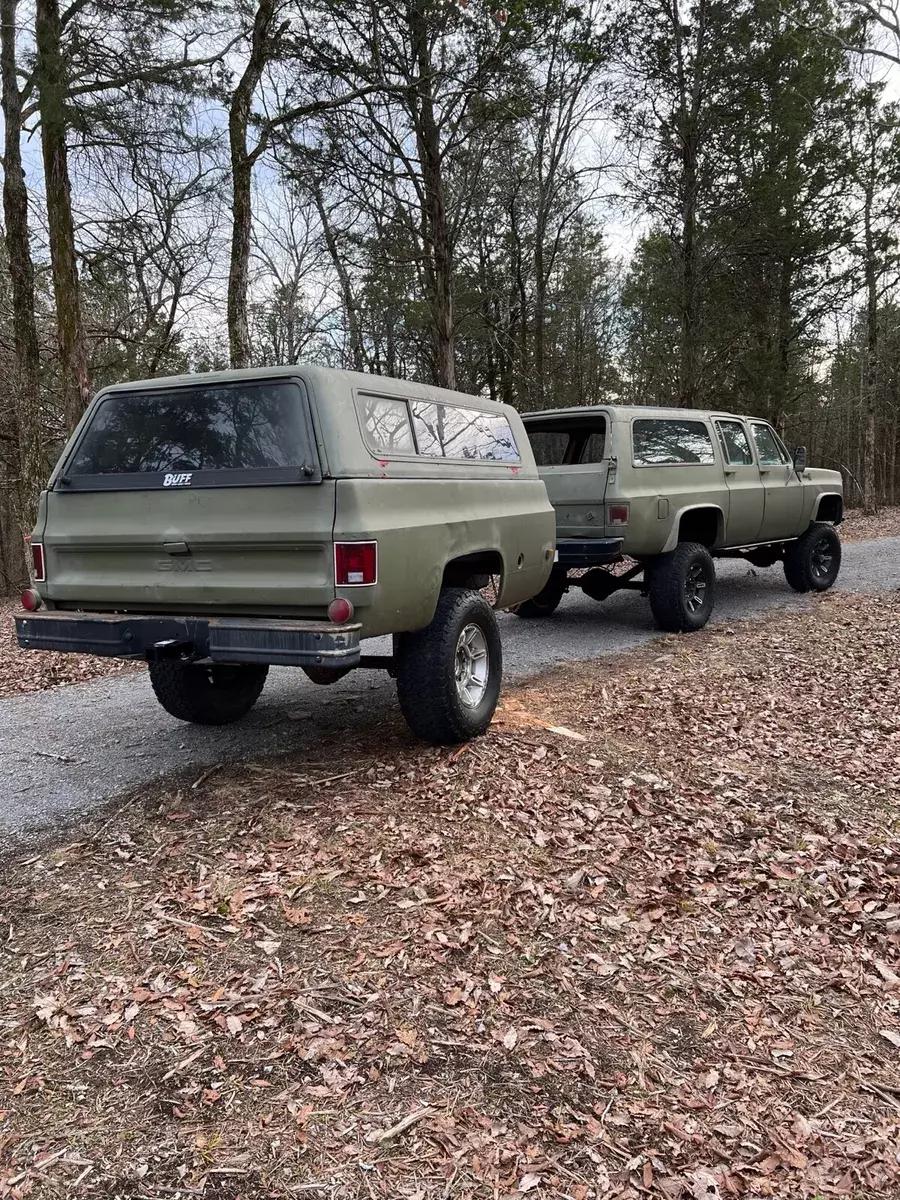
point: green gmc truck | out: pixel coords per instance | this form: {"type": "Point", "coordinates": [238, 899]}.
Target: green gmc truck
{"type": "Point", "coordinates": [217, 524]}
{"type": "Point", "coordinates": [671, 490]}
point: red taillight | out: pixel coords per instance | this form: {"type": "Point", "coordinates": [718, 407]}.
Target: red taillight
{"type": "Point", "coordinates": [37, 562]}
{"type": "Point", "coordinates": [31, 600]}
{"type": "Point", "coordinates": [355, 563]}
{"type": "Point", "coordinates": [617, 514]}
{"type": "Point", "coordinates": [340, 611]}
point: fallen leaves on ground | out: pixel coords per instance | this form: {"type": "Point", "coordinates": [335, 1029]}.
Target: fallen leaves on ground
{"type": "Point", "coordinates": [857, 527]}
{"type": "Point", "coordinates": [664, 961]}
{"type": "Point", "coordinates": [36, 671]}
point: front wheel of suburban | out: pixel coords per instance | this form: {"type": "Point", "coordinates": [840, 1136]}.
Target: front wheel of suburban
{"type": "Point", "coordinates": [811, 564]}
{"type": "Point", "coordinates": [449, 674]}
{"type": "Point", "coordinates": [206, 694]}
{"type": "Point", "coordinates": [682, 588]}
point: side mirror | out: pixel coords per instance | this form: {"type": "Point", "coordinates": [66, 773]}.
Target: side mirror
{"type": "Point", "coordinates": [800, 460]}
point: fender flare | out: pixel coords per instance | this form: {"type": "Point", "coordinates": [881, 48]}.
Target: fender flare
{"type": "Point", "coordinates": [829, 496]}
{"type": "Point", "coordinates": [672, 539]}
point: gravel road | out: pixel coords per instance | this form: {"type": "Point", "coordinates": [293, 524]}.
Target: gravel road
{"type": "Point", "coordinates": [64, 751]}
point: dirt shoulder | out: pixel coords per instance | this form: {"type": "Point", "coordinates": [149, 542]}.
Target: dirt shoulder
{"type": "Point", "coordinates": [25, 671]}
{"type": "Point", "coordinates": [643, 939]}
{"type": "Point", "coordinates": [857, 527]}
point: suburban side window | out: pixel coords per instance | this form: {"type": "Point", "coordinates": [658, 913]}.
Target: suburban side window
{"type": "Point", "coordinates": [551, 447]}
{"type": "Point", "coordinates": [766, 445]}
{"type": "Point", "coordinates": [735, 443]}
{"type": "Point", "coordinates": [445, 431]}
{"type": "Point", "coordinates": [387, 425]}
{"type": "Point", "coordinates": [660, 441]}
{"type": "Point", "coordinates": [594, 448]}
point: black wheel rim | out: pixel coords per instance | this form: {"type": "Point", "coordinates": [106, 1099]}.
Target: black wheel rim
{"type": "Point", "coordinates": [695, 588]}
{"type": "Point", "coordinates": [822, 559]}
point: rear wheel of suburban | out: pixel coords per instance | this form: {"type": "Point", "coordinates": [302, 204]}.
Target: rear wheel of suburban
{"type": "Point", "coordinates": [546, 601]}
{"type": "Point", "coordinates": [682, 588]}
{"type": "Point", "coordinates": [811, 564]}
{"type": "Point", "coordinates": [207, 694]}
{"type": "Point", "coordinates": [449, 674]}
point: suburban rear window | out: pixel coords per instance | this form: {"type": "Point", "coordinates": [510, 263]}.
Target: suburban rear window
{"type": "Point", "coordinates": [230, 434]}
{"type": "Point", "coordinates": [659, 441]}
{"type": "Point", "coordinates": [567, 444]}
{"type": "Point", "coordinates": [445, 431]}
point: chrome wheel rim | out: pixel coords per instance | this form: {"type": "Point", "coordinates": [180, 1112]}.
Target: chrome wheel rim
{"type": "Point", "coordinates": [695, 588]}
{"type": "Point", "coordinates": [822, 559]}
{"type": "Point", "coordinates": [472, 666]}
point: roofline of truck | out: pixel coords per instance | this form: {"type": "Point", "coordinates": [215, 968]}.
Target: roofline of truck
{"type": "Point", "coordinates": [310, 373]}
{"type": "Point", "coordinates": [626, 412]}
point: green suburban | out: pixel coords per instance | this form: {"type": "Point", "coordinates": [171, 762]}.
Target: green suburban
{"type": "Point", "coordinates": [671, 490]}
{"type": "Point", "coordinates": [218, 524]}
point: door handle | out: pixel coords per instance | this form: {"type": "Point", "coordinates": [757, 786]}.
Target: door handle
{"type": "Point", "coordinates": [730, 471]}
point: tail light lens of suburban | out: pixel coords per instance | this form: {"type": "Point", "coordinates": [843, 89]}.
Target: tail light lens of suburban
{"type": "Point", "coordinates": [37, 562]}
{"type": "Point", "coordinates": [355, 563]}
{"type": "Point", "coordinates": [617, 514]}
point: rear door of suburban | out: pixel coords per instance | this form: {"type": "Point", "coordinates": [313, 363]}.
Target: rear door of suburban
{"type": "Point", "coordinates": [194, 497]}
{"type": "Point", "coordinates": [746, 497]}
{"type": "Point", "coordinates": [573, 457]}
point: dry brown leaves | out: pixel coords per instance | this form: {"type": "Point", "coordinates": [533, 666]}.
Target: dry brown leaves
{"type": "Point", "coordinates": [30, 671]}
{"type": "Point", "coordinates": [664, 961]}
{"type": "Point", "coordinates": [857, 527]}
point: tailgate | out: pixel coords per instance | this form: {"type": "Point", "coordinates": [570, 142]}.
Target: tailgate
{"type": "Point", "coordinates": [577, 493]}
{"type": "Point", "coordinates": [254, 549]}
{"type": "Point", "coordinates": [202, 494]}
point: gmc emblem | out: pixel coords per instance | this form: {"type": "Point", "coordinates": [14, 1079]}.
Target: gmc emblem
{"type": "Point", "coordinates": [184, 564]}
{"type": "Point", "coordinates": [182, 480]}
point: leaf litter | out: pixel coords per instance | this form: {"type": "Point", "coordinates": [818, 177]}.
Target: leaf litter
{"type": "Point", "coordinates": [23, 671]}
{"type": "Point", "coordinates": [861, 527]}
{"type": "Point", "coordinates": [664, 961]}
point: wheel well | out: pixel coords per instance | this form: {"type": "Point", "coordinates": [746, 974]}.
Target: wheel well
{"type": "Point", "coordinates": [700, 525]}
{"type": "Point", "coordinates": [831, 508]}
{"type": "Point", "coordinates": [472, 570]}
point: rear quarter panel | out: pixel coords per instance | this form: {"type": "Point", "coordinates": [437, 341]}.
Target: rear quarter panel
{"type": "Point", "coordinates": [422, 524]}
{"type": "Point", "coordinates": [424, 512]}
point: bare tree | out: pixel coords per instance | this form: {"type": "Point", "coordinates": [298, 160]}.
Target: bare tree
{"type": "Point", "coordinates": [268, 41]}
{"type": "Point", "coordinates": [51, 81]}
{"type": "Point", "coordinates": [30, 451]}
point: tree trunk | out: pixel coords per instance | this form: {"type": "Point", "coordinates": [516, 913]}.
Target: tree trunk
{"type": "Point", "coordinates": [241, 184]}
{"type": "Point", "coordinates": [785, 334]}
{"type": "Point", "coordinates": [870, 376]}
{"type": "Point", "coordinates": [438, 251]}
{"type": "Point", "coordinates": [540, 305]}
{"type": "Point", "coordinates": [687, 347]}
{"type": "Point", "coordinates": [29, 441]}
{"type": "Point", "coordinates": [349, 302]}
{"type": "Point", "coordinates": [690, 86]}
{"type": "Point", "coordinates": [51, 85]}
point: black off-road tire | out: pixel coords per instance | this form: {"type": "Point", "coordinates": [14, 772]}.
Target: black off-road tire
{"type": "Point", "coordinates": [812, 563]}
{"type": "Point", "coordinates": [426, 663]}
{"type": "Point", "coordinates": [671, 579]}
{"type": "Point", "coordinates": [207, 694]}
{"type": "Point", "coordinates": [546, 602]}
